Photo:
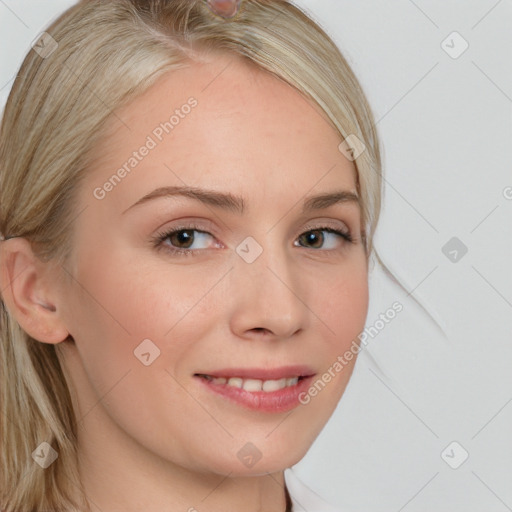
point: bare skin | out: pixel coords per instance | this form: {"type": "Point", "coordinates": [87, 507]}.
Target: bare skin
{"type": "Point", "coordinates": [153, 437]}
{"type": "Point", "coordinates": [224, 8]}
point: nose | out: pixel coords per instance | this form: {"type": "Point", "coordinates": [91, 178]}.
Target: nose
{"type": "Point", "coordinates": [267, 298]}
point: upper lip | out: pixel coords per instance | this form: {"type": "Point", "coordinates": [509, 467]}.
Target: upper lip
{"type": "Point", "coordinates": [262, 373]}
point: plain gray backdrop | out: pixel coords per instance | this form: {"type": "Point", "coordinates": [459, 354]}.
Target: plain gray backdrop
{"type": "Point", "coordinates": [425, 423]}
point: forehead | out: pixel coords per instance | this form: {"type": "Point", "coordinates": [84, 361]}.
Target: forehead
{"type": "Point", "coordinates": [222, 124]}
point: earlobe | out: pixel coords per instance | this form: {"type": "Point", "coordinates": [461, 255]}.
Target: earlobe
{"type": "Point", "coordinates": [27, 293]}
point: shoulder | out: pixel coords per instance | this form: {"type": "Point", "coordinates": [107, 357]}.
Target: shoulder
{"type": "Point", "coordinates": [303, 498]}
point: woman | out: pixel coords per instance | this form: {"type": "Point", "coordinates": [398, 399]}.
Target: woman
{"type": "Point", "coordinates": [189, 193]}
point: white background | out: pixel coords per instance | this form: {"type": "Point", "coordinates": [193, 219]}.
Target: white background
{"type": "Point", "coordinates": [445, 124]}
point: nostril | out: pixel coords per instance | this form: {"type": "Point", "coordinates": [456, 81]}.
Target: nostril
{"type": "Point", "coordinates": [260, 329]}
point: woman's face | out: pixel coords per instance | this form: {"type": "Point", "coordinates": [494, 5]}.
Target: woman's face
{"type": "Point", "coordinates": [255, 287]}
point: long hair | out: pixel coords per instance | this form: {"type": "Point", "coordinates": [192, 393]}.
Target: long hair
{"type": "Point", "coordinates": [91, 61]}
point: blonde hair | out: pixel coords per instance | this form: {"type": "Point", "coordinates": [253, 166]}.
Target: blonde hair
{"type": "Point", "coordinates": [108, 52]}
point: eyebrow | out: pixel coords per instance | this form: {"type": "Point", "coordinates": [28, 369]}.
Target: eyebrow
{"type": "Point", "coordinates": [230, 202]}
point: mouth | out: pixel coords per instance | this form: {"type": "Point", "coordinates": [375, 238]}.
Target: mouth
{"type": "Point", "coordinates": [253, 385]}
{"type": "Point", "coordinates": [264, 390]}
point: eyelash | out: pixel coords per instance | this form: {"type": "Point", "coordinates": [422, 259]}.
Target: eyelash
{"type": "Point", "coordinates": [159, 239]}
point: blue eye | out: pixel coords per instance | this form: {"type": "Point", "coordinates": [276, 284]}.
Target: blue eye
{"type": "Point", "coordinates": [190, 240]}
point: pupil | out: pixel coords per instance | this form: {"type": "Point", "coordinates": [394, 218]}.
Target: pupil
{"type": "Point", "coordinates": [311, 236]}
{"type": "Point", "coordinates": [184, 237]}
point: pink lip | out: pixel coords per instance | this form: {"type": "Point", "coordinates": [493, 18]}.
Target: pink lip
{"type": "Point", "coordinates": [278, 401]}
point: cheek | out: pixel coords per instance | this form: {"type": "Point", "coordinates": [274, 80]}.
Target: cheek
{"type": "Point", "coordinates": [343, 305]}
{"type": "Point", "coordinates": [342, 308]}
{"type": "Point", "coordinates": [131, 300]}
{"type": "Point", "coordinates": [123, 306]}
{"type": "Point", "coordinates": [128, 303]}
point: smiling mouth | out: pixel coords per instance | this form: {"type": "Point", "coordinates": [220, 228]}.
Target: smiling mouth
{"type": "Point", "coordinates": [253, 385]}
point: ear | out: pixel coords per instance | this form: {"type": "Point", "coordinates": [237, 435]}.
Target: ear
{"type": "Point", "coordinates": [29, 291]}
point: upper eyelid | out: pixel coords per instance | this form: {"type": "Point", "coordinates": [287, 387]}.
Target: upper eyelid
{"type": "Point", "coordinates": [323, 223]}
{"type": "Point", "coordinates": [182, 225]}
{"type": "Point", "coordinates": [207, 225]}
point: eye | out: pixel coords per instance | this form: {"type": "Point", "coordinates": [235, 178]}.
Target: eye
{"type": "Point", "coordinates": [190, 240]}
{"type": "Point", "coordinates": [324, 238]}
{"type": "Point", "coordinates": [183, 241]}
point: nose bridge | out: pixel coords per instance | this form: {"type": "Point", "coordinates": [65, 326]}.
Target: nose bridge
{"type": "Point", "coordinates": [267, 288]}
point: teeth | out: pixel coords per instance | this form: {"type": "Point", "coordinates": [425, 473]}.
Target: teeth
{"type": "Point", "coordinates": [292, 381]}
{"type": "Point", "coordinates": [274, 385]}
{"type": "Point", "coordinates": [235, 382]}
{"type": "Point", "coordinates": [253, 385]}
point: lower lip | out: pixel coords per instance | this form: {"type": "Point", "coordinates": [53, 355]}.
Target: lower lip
{"type": "Point", "coordinates": [282, 400]}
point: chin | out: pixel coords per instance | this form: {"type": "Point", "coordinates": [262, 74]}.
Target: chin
{"type": "Point", "coordinates": [259, 457]}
